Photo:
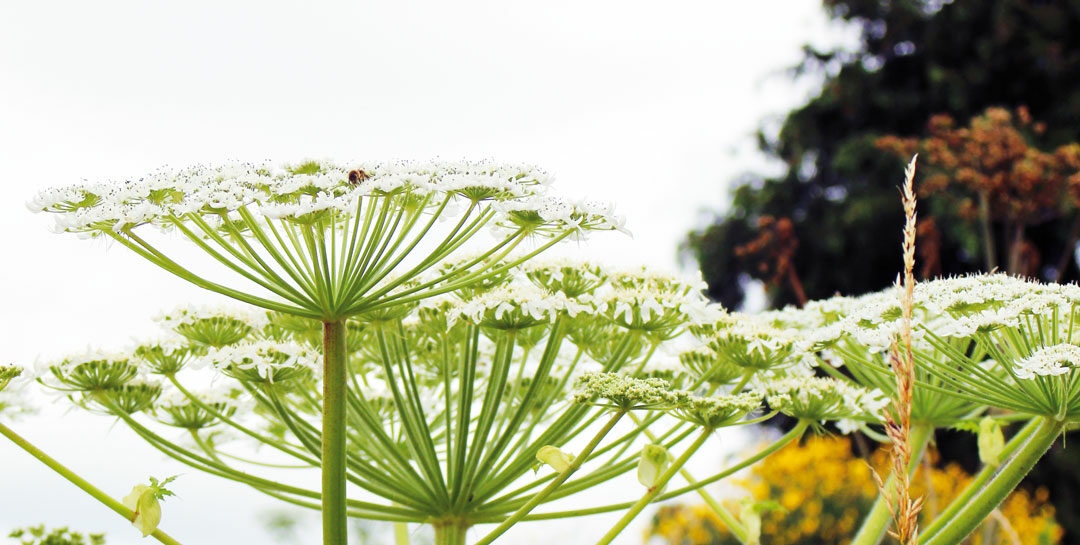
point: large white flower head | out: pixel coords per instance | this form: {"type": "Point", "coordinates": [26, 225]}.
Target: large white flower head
{"type": "Point", "coordinates": [1051, 361]}
{"type": "Point", "coordinates": [296, 191]}
{"type": "Point", "coordinates": [266, 361]}
{"type": "Point", "coordinates": [516, 306]}
{"type": "Point", "coordinates": [572, 278]}
{"type": "Point", "coordinates": [751, 342]}
{"type": "Point", "coordinates": [660, 314]}
{"type": "Point", "coordinates": [322, 240]}
{"type": "Point", "coordinates": [821, 399]}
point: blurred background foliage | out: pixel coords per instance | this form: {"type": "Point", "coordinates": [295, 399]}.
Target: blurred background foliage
{"type": "Point", "coordinates": [987, 93]}
{"type": "Point", "coordinates": [917, 59]}
{"type": "Point", "coordinates": [825, 490]}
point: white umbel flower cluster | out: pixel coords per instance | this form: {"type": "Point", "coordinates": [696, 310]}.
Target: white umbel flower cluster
{"type": "Point", "coordinates": [163, 196]}
{"type": "Point", "coordinates": [190, 314]}
{"type": "Point", "coordinates": [267, 359]}
{"type": "Point", "coordinates": [311, 190]}
{"type": "Point", "coordinates": [821, 399]}
{"type": "Point", "coordinates": [515, 305]}
{"type": "Point", "coordinates": [1055, 360]}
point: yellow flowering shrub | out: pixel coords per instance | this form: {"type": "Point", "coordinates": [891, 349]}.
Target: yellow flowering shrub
{"type": "Point", "coordinates": [825, 490]}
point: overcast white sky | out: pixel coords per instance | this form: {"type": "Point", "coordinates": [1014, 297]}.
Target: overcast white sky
{"type": "Point", "coordinates": [648, 104]}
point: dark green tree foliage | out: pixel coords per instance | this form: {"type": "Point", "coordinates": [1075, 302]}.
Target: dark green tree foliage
{"type": "Point", "coordinates": [917, 59]}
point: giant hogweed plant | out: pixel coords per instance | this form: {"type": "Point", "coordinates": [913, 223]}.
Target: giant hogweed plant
{"type": "Point", "coordinates": [434, 376]}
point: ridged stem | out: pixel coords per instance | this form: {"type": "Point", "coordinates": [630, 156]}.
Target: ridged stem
{"type": "Point", "coordinates": [334, 518]}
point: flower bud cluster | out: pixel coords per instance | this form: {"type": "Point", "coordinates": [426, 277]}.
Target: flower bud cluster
{"type": "Point", "coordinates": [8, 373]}
{"type": "Point", "coordinates": [626, 393]}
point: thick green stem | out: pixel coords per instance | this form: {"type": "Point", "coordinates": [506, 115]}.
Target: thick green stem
{"type": "Point", "coordinates": [877, 521]}
{"type": "Point", "coordinates": [78, 481]}
{"type": "Point", "coordinates": [1004, 482]}
{"type": "Point", "coordinates": [543, 494]}
{"type": "Point", "coordinates": [335, 521]}
{"type": "Point", "coordinates": [450, 533]}
{"type": "Point", "coordinates": [655, 490]}
{"type": "Point", "coordinates": [401, 533]}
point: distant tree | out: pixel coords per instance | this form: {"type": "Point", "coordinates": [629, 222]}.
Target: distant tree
{"type": "Point", "coordinates": [916, 59]}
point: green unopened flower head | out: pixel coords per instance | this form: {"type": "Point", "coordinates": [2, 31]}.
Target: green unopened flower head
{"type": "Point", "coordinates": [553, 456]}
{"type": "Point", "coordinates": [716, 411]}
{"type": "Point", "coordinates": [653, 462]}
{"type": "Point", "coordinates": [166, 356]}
{"type": "Point", "coordinates": [178, 410]}
{"type": "Point", "coordinates": [622, 392]}
{"type": "Point", "coordinates": [145, 502]}
{"type": "Point", "coordinates": [991, 442]}
{"type": "Point", "coordinates": [8, 374]}
{"type": "Point", "coordinates": [821, 399]}
{"type": "Point", "coordinates": [135, 396]}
